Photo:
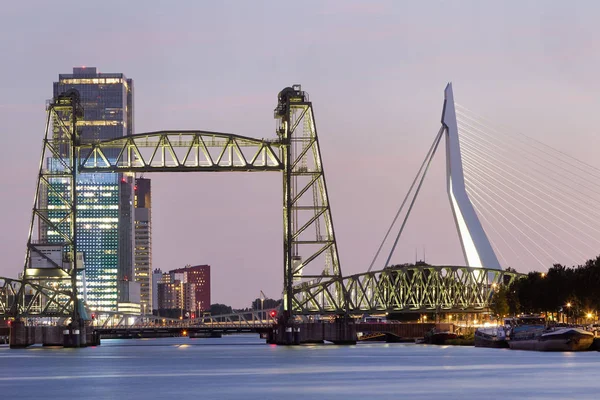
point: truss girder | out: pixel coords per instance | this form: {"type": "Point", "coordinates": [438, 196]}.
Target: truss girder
{"type": "Point", "coordinates": [180, 151]}
{"type": "Point", "coordinates": [43, 298]}
{"type": "Point", "coordinates": [242, 320]}
{"type": "Point", "coordinates": [405, 289]}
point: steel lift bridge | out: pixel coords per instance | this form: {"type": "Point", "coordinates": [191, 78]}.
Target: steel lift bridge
{"type": "Point", "coordinates": [312, 274]}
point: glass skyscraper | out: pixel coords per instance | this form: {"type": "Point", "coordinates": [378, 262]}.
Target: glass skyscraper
{"type": "Point", "coordinates": [107, 101]}
{"type": "Point", "coordinates": [105, 209]}
{"type": "Point", "coordinates": [143, 242]}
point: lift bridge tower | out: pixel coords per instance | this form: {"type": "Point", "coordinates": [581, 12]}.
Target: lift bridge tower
{"type": "Point", "coordinates": [309, 247]}
{"type": "Point", "coordinates": [52, 262]}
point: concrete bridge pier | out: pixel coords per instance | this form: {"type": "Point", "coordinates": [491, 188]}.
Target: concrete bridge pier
{"type": "Point", "coordinates": [80, 335]}
{"type": "Point", "coordinates": [21, 336]}
{"type": "Point", "coordinates": [92, 337]}
{"type": "Point", "coordinates": [342, 332]}
{"type": "Point", "coordinates": [74, 335]}
{"type": "Point", "coordinates": [52, 336]}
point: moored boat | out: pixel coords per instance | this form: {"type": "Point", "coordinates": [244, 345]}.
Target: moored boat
{"type": "Point", "coordinates": [439, 337]}
{"type": "Point", "coordinates": [493, 337]}
{"type": "Point", "coordinates": [553, 339]}
{"type": "Point", "coordinates": [499, 336]}
{"type": "Point", "coordinates": [565, 339]}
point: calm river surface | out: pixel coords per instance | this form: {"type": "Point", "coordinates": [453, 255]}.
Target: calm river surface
{"type": "Point", "coordinates": [243, 367]}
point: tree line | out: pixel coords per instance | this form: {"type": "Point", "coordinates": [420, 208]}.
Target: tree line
{"type": "Point", "coordinates": [571, 291]}
{"type": "Point", "coordinates": [257, 304]}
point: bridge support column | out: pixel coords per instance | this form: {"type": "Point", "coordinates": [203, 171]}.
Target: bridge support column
{"type": "Point", "coordinates": [75, 336]}
{"type": "Point", "coordinates": [52, 336]}
{"type": "Point", "coordinates": [21, 335]}
{"type": "Point", "coordinates": [341, 332]}
{"type": "Point", "coordinates": [92, 337]}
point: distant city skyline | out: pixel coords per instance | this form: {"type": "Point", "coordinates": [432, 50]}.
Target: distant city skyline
{"type": "Point", "coordinates": [375, 72]}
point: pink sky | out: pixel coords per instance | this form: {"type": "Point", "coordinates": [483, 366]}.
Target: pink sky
{"type": "Point", "coordinates": [375, 72]}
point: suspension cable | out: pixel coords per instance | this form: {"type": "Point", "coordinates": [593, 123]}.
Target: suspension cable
{"type": "Point", "coordinates": [427, 157]}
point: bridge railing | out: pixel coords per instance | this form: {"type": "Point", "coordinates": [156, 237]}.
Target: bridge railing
{"type": "Point", "coordinates": [244, 319]}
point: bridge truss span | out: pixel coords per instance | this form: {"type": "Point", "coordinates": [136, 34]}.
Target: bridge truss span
{"type": "Point", "coordinates": [406, 288]}
{"type": "Point", "coordinates": [35, 298]}
{"type": "Point", "coordinates": [180, 151]}
{"type": "Point", "coordinates": [309, 244]}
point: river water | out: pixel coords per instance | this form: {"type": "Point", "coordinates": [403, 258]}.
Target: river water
{"type": "Point", "coordinates": [243, 367]}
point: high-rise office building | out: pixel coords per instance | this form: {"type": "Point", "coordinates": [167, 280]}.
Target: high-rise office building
{"type": "Point", "coordinates": [105, 209]}
{"type": "Point", "coordinates": [143, 242]}
{"type": "Point", "coordinates": [107, 101]}
{"type": "Point", "coordinates": [157, 277]}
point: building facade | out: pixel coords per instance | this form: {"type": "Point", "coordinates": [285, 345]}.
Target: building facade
{"type": "Point", "coordinates": [107, 101]}
{"type": "Point", "coordinates": [105, 209]}
{"type": "Point", "coordinates": [199, 275]}
{"type": "Point", "coordinates": [182, 292]}
{"type": "Point", "coordinates": [142, 263]}
{"type": "Point", "coordinates": [176, 299]}
{"type": "Point", "coordinates": [157, 276]}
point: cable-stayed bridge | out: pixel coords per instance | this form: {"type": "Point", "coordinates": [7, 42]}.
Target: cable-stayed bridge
{"type": "Point", "coordinates": [538, 204]}
{"type": "Point", "coordinates": [516, 203]}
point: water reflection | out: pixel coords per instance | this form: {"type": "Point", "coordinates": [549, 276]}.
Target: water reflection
{"type": "Point", "coordinates": [236, 367]}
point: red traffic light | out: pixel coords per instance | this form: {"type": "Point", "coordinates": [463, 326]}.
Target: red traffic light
{"type": "Point", "coordinates": [273, 313]}
{"type": "Point", "coordinates": [93, 316]}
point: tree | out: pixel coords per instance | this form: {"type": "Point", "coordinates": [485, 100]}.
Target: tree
{"type": "Point", "coordinates": [499, 304]}
{"type": "Point", "coordinates": [512, 299]}
{"type": "Point", "coordinates": [266, 304]}
{"type": "Point", "coordinates": [220, 309]}
{"type": "Point", "coordinates": [552, 291]}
